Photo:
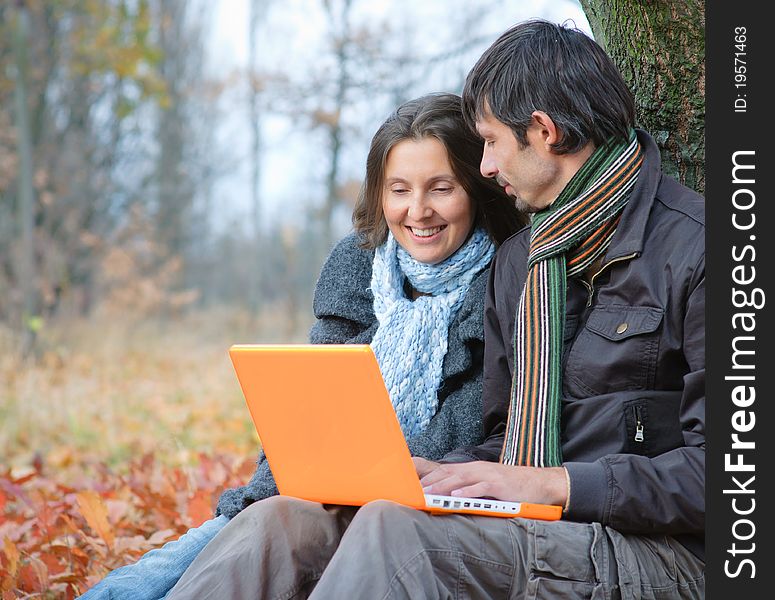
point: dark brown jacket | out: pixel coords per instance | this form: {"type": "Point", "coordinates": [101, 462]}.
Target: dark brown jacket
{"type": "Point", "coordinates": [633, 413]}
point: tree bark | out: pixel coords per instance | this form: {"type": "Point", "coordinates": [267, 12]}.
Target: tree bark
{"type": "Point", "coordinates": [26, 272]}
{"type": "Point", "coordinates": [257, 12]}
{"type": "Point", "coordinates": [341, 33]}
{"type": "Point", "coordinates": [174, 201]}
{"type": "Point", "coordinates": [659, 47]}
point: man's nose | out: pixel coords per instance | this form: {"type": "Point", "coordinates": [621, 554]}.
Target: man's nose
{"type": "Point", "coordinates": [487, 167]}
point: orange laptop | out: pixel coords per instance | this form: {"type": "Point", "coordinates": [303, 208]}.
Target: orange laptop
{"type": "Point", "coordinates": [331, 435]}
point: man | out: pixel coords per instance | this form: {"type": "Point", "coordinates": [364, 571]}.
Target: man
{"type": "Point", "coordinates": [594, 367]}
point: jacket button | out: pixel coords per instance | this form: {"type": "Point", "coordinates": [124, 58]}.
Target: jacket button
{"type": "Point", "coordinates": [622, 328]}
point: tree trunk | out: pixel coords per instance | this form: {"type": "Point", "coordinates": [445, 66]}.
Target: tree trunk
{"type": "Point", "coordinates": [257, 12]}
{"type": "Point", "coordinates": [659, 46]}
{"type": "Point", "coordinates": [340, 31]}
{"type": "Point", "coordinates": [25, 268]}
{"type": "Point", "coordinates": [175, 192]}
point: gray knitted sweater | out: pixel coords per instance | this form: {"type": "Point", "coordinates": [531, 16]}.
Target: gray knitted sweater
{"type": "Point", "coordinates": [343, 306]}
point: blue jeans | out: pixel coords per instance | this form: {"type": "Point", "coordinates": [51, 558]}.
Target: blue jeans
{"type": "Point", "coordinates": [157, 571]}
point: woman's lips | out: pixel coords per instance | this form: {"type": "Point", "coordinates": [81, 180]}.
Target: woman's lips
{"type": "Point", "coordinates": [425, 234]}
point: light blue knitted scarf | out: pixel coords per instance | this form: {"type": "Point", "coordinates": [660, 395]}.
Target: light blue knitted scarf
{"type": "Point", "coordinates": [411, 339]}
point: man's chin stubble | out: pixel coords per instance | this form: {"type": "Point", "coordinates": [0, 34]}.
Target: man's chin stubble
{"type": "Point", "coordinates": [523, 206]}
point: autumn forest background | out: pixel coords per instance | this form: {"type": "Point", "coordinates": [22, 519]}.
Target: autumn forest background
{"type": "Point", "coordinates": [172, 175]}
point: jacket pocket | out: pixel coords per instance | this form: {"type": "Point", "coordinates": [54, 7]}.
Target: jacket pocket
{"type": "Point", "coordinates": [616, 350]}
{"type": "Point", "coordinates": [652, 426]}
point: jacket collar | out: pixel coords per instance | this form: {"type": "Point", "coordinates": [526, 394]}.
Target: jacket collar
{"type": "Point", "coordinates": [630, 232]}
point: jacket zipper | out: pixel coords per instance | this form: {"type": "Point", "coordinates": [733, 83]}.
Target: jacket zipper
{"type": "Point", "coordinates": [591, 285]}
{"type": "Point", "coordinates": [639, 437]}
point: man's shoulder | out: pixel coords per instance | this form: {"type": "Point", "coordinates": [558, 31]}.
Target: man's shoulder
{"type": "Point", "coordinates": [681, 201]}
{"type": "Point", "coordinates": [510, 264]}
{"type": "Point", "coordinates": [518, 244]}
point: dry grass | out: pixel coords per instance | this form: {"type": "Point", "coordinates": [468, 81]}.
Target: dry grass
{"type": "Point", "coordinates": [119, 436]}
{"type": "Point", "coordinates": [108, 390]}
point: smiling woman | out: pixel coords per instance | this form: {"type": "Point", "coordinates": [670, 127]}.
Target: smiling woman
{"type": "Point", "coordinates": [426, 209]}
{"type": "Point", "coordinates": [422, 172]}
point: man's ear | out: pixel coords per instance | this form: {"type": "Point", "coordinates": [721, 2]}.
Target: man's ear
{"type": "Point", "coordinates": [547, 130]}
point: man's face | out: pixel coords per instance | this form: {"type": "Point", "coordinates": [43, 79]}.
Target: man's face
{"type": "Point", "coordinates": [529, 174]}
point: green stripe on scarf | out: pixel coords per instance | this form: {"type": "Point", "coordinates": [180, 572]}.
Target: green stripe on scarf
{"type": "Point", "coordinates": [565, 239]}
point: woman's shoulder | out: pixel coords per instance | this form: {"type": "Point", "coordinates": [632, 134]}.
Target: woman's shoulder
{"type": "Point", "coordinates": [350, 248]}
{"type": "Point", "coordinates": [478, 288]}
{"type": "Point", "coordinates": [343, 286]}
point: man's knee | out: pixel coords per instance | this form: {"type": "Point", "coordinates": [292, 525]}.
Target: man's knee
{"type": "Point", "coordinates": [385, 512]}
{"type": "Point", "coordinates": [273, 511]}
{"type": "Point", "coordinates": [382, 521]}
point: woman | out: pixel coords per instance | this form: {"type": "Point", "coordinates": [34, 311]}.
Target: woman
{"type": "Point", "coordinates": [410, 281]}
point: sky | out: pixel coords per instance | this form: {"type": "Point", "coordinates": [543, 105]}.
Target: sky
{"type": "Point", "coordinates": [290, 41]}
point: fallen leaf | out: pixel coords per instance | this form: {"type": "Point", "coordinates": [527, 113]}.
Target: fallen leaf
{"type": "Point", "coordinates": [199, 508]}
{"type": "Point", "coordinates": [66, 577]}
{"type": "Point", "coordinates": [33, 576]}
{"type": "Point", "coordinates": [117, 509]}
{"type": "Point", "coordinates": [95, 512]}
{"type": "Point", "coordinates": [160, 537]}
{"type": "Point", "coordinates": [12, 554]}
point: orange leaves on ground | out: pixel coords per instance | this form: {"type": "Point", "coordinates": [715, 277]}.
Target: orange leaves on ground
{"type": "Point", "coordinates": [199, 509]}
{"type": "Point", "coordinates": [95, 512]}
{"type": "Point", "coordinates": [10, 565]}
{"type": "Point", "coordinates": [57, 540]}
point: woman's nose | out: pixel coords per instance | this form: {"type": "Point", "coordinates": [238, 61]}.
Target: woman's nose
{"type": "Point", "coordinates": [419, 208]}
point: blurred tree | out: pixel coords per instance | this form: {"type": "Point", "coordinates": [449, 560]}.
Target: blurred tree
{"type": "Point", "coordinates": [81, 152]}
{"type": "Point", "coordinates": [186, 162]}
{"type": "Point", "coordinates": [342, 45]}
{"type": "Point", "coordinates": [174, 192]}
{"type": "Point", "coordinates": [25, 267]}
{"type": "Point", "coordinates": [181, 128]}
{"type": "Point", "coordinates": [659, 47]}
{"type": "Point", "coordinates": [258, 11]}
{"type": "Point", "coordinates": [90, 66]}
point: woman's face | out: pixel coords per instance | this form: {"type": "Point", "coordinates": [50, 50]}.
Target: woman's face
{"type": "Point", "coordinates": [425, 206]}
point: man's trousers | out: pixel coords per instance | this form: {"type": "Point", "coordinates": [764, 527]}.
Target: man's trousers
{"type": "Point", "coordinates": [283, 548]}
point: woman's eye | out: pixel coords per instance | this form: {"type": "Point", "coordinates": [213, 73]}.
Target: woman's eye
{"type": "Point", "coordinates": [442, 190]}
{"type": "Point", "coordinates": [399, 190]}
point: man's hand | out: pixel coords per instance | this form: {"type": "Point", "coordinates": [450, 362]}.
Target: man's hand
{"type": "Point", "coordinates": [543, 485]}
{"type": "Point", "coordinates": [423, 466]}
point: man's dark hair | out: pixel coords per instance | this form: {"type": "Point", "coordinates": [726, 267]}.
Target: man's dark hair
{"type": "Point", "coordinates": [438, 116]}
{"type": "Point", "coordinates": [537, 65]}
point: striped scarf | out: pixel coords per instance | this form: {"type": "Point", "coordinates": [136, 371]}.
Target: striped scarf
{"type": "Point", "coordinates": [565, 239]}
